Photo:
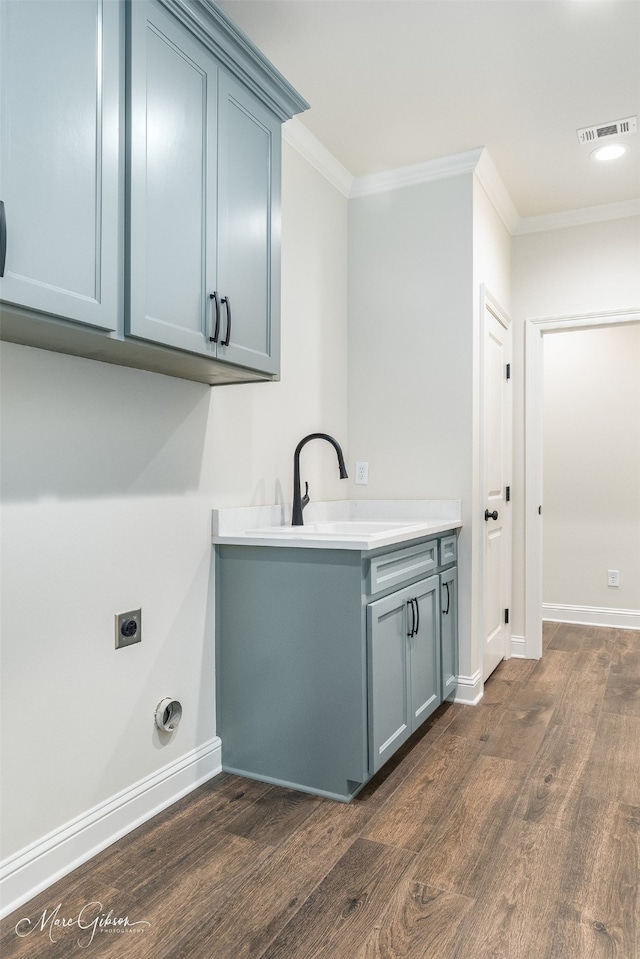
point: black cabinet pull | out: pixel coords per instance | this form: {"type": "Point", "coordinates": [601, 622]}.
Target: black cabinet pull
{"type": "Point", "coordinates": [417, 614]}
{"type": "Point", "coordinates": [3, 237]}
{"type": "Point", "coordinates": [216, 332]}
{"type": "Point", "coordinates": [488, 515]}
{"type": "Point", "coordinates": [411, 632]}
{"type": "Point", "coordinates": [445, 612]}
{"type": "Point", "coordinates": [227, 303]}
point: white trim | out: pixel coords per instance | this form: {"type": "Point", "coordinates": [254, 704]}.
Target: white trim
{"type": "Point", "coordinates": [535, 328]}
{"type": "Point", "coordinates": [591, 616]}
{"type": "Point", "coordinates": [37, 866]}
{"type": "Point", "coordinates": [582, 321]}
{"type": "Point", "coordinates": [518, 647]}
{"type": "Point", "coordinates": [309, 147]}
{"type": "Point", "coordinates": [470, 689]}
{"type": "Point", "coordinates": [567, 218]}
{"type": "Point", "coordinates": [440, 169]}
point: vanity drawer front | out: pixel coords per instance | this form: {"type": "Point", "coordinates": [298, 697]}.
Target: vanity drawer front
{"type": "Point", "coordinates": [402, 565]}
{"type": "Point", "coordinates": [448, 550]}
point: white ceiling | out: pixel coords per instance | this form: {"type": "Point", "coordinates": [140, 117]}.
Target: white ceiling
{"type": "Point", "coordinates": [398, 82]}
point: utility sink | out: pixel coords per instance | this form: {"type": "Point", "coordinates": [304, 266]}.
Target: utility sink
{"type": "Point", "coordinates": [351, 524]}
{"type": "Point", "coordinates": [357, 528]}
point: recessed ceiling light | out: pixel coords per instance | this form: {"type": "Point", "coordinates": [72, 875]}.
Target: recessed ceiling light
{"type": "Point", "coordinates": [610, 152]}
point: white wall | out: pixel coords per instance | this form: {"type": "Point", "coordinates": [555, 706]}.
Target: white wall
{"type": "Point", "coordinates": [411, 351]}
{"type": "Point", "coordinates": [577, 270]}
{"type": "Point", "coordinates": [491, 249]}
{"type": "Point", "coordinates": [109, 476]}
{"type": "Point", "coordinates": [592, 467]}
{"type": "Point", "coordinates": [417, 259]}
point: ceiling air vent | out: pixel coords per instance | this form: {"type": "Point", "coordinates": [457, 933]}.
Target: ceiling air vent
{"type": "Point", "coordinates": [603, 130]}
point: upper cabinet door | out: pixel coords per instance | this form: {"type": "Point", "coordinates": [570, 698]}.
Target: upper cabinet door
{"type": "Point", "coordinates": [172, 212]}
{"type": "Point", "coordinates": [249, 160]}
{"type": "Point", "coordinates": [60, 154]}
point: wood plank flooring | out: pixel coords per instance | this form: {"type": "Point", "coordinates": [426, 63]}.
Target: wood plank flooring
{"type": "Point", "coordinates": [509, 830]}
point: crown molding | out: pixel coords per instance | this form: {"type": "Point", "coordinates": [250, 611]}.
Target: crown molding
{"type": "Point", "coordinates": [591, 214]}
{"type": "Point", "coordinates": [476, 161]}
{"type": "Point", "coordinates": [426, 172]}
{"type": "Point", "coordinates": [309, 147]}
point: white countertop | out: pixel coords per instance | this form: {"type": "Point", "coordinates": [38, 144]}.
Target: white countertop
{"type": "Point", "coordinates": [344, 524]}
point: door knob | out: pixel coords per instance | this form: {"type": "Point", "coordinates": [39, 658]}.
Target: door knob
{"type": "Point", "coordinates": [488, 515]}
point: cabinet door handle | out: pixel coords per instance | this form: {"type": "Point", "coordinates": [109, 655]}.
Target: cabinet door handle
{"type": "Point", "coordinates": [488, 515]}
{"type": "Point", "coordinates": [445, 612]}
{"type": "Point", "coordinates": [216, 331]}
{"type": "Point", "coordinates": [3, 237]}
{"type": "Point", "coordinates": [411, 632]}
{"type": "Point", "coordinates": [227, 303]}
{"type": "Point", "coordinates": [417, 614]}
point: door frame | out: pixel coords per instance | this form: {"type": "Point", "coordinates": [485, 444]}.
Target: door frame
{"type": "Point", "coordinates": [489, 303]}
{"type": "Point", "coordinates": [535, 329]}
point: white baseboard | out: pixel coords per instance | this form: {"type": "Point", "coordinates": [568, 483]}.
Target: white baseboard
{"type": "Point", "coordinates": [591, 616]}
{"type": "Point", "coordinates": [28, 872]}
{"type": "Point", "coordinates": [518, 647]}
{"type": "Point", "coordinates": [470, 689]}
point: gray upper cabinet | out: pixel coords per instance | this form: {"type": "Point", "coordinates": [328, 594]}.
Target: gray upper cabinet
{"type": "Point", "coordinates": [249, 147]}
{"type": "Point", "coordinates": [172, 212]}
{"type": "Point", "coordinates": [59, 165]}
{"type": "Point", "coordinates": [204, 200]}
{"type": "Point", "coordinates": [141, 186]}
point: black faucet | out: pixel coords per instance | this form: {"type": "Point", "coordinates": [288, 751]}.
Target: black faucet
{"type": "Point", "coordinates": [299, 502]}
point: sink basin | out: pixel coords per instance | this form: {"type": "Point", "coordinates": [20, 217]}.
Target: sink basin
{"type": "Point", "coordinates": [357, 528]}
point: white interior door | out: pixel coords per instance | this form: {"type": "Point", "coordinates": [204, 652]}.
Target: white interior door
{"type": "Point", "coordinates": [496, 472]}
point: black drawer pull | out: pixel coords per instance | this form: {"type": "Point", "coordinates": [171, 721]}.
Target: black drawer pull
{"type": "Point", "coordinates": [445, 612]}
{"type": "Point", "coordinates": [488, 515]}
{"type": "Point", "coordinates": [417, 614]}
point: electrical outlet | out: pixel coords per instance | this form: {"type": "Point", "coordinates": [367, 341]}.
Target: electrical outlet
{"type": "Point", "coordinates": [613, 577]}
{"type": "Point", "coordinates": [362, 474]}
{"type": "Point", "coordinates": [128, 628]}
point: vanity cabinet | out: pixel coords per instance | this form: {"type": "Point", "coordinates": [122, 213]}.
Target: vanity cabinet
{"type": "Point", "coordinates": [141, 186]}
{"type": "Point", "coordinates": [403, 653]}
{"type": "Point", "coordinates": [61, 83]}
{"type": "Point", "coordinates": [328, 659]}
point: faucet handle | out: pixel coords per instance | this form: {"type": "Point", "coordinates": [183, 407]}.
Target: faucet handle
{"type": "Point", "coordinates": [305, 498]}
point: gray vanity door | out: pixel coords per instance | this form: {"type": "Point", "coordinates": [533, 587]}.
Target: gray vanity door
{"type": "Point", "coordinates": [425, 651]}
{"type": "Point", "coordinates": [173, 92]}
{"type": "Point", "coordinates": [388, 664]}
{"type": "Point", "coordinates": [449, 628]}
{"type": "Point", "coordinates": [60, 79]}
{"type": "Point", "coordinates": [249, 160]}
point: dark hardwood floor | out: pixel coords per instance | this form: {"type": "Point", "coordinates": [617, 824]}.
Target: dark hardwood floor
{"type": "Point", "coordinates": [508, 830]}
